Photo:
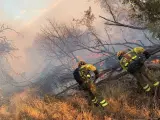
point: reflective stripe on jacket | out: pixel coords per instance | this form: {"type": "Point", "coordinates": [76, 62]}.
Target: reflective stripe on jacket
{"type": "Point", "coordinates": [84, 71]}
{"type": "Point", "coordinates": [130, 56]}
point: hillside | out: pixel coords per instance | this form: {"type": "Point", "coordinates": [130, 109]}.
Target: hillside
{"type": "Point", "coordinates": [125, 102]}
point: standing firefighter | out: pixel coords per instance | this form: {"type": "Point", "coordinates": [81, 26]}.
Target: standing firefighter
{"type": "Point", "coordinates": [83, 75]}
{"type": "Point", "coordinates": [133, 62]}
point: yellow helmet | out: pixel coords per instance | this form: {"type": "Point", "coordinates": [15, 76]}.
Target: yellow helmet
{"type": "Point", "coordinates": [120, 53]}
{"type": "Point", "coordinates": [80, 63]}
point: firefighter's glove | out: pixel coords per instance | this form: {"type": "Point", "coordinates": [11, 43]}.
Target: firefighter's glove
{"type": "Point", "coordinates": [147, 54]}
{"type": "Point", "coordinates": [88, 76]}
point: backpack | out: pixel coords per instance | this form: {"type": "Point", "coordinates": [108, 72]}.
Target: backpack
{"type": "Point", "coordinates": [132, 61]}
{"type": "Point", "coordinates": [136, 64]}
{"type": "Point", "coordinates": [77, 76]}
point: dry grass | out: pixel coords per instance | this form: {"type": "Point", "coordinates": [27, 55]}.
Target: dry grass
{"type": "Point", "coordinates": [33, 108]}
{"type": "Point", "coordinates": [124, 104]}
{"type": "Point", "coordinates": [74, 108]}
{"type": "Point", "coordinates": [127, 103]}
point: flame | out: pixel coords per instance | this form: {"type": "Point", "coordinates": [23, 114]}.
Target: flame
{"type": "Point", "coordinates": [155, 61]}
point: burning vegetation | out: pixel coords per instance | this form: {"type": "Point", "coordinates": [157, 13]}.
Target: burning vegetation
{"type": "Point", "coordinates": [156, 61]}
{"type": "Point", "coordinates": [125, 102]}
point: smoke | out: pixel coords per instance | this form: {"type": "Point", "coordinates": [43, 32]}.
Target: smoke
{"type": "Point", "coordinates": [30, 62]}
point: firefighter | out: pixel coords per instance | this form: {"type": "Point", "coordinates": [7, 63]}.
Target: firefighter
{"type": "Point", "coordinates": [133, 62]}
{"type": "Point", "coordinates": [83, 75]}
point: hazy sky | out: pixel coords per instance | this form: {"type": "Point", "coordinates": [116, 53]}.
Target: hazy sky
{"type": "Point", "coordinates": [17, 8]}
{"type": "Point", "coordinates": [23, 10]}
{"type": "Point", "coordinates": [20, 15]}
{"type": "Point", "coordinates": [26, 17]}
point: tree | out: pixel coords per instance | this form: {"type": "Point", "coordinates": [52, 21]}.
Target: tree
{"type": "Point", "coordinates": [99, 44]}
{"type": "Point", "coordinates": [6, 46]}
{"type": "Point", "coordinates": [60, 41]}
{"type": "Point", "coordinates": [105, 46]}
{"type": "Point", "coordinates": [6, 50]}
{"type": "Point", "coordinates": [146, 12]}
{"type": "Point", "coordinates": [118, 14]}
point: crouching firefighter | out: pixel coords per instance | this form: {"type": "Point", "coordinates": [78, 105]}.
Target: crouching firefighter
{"type": "Point", "coordinates": [84, 76]}
{"type": "Point", "coordinates": [133, 62]}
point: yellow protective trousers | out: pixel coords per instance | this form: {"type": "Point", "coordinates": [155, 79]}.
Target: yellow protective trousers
{"type": "Point", "coordinates": [146, 78]}
{"type": "Point", "coordinates": [95, 96]}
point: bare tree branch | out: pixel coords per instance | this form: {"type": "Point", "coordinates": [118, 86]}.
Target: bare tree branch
{"type": "Point", "coordinates": [114, 23]}
{"type": "Point", "coordinates": [110, 10]}
{"type": "Point", "coordinates": [148, 38]}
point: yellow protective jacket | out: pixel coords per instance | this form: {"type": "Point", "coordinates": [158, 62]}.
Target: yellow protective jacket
{"type": "Point", "coordinates": [130, 56]}
{"type": "Point", "coordinates": [89, 67]}
{"type": "Point", "coordinates": [84, 70]}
